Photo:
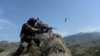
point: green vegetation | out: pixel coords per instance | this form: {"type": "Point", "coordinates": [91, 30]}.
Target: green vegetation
{"type": "Point", "coordinates": [85, 51]}
{"type": "Point", "coordinates": [2, 50]}
{"type": "Point", "coordinates": [84, 44]}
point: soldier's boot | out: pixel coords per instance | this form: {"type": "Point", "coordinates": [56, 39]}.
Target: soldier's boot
{"type": "Point", "coordinates": [21, 48]}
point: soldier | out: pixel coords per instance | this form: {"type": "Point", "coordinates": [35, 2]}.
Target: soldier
{"type": "Point", "coordinates": [44, 28]}
{"type": "Point", "coordinates": [28, 30]}
{"type": "Point", "coordinates": [26, 35]}
{"type": "Point", "coordinates": [39, 25]}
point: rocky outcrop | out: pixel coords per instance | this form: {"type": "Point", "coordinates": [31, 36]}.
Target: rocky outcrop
{"type": "Point", "coordinates": [56, 47]}
{"type": "Point", "coordinates": [52, 45]}
{"type": "Point", "coordinates": [4, 53]}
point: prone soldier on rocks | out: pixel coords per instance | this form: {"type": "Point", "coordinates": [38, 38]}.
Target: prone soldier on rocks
{"type": "Point", "coordinates": [44, 28]}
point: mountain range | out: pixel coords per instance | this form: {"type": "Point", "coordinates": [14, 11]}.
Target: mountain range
{"type": "Point", "coordinates": [92, 38]}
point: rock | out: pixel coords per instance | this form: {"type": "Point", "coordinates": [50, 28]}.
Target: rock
{"type": "Point", "coordinates": [4, 53]}
{"type": "Point", "coordinates": [52, 46]}
{"type": "Point", "coordinates": [56, 47]}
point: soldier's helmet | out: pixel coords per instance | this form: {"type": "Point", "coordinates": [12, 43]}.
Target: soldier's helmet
{"type": "Point", "coordinates": [40, 23]}
{"type": "Point", "coordinates": [32, 21]}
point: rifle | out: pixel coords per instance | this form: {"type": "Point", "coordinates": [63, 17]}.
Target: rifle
{"type": "Point", "coordinates": [48, 28]}
{"type": "Point", "coordinates": [51, 28]}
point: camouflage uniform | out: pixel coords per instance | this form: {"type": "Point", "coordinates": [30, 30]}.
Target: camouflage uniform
{"type": "Point", "coordinates": [34, 49]}
{"type": "Point", "coordinates": [27, 37]}
{"type": "Point", "coordinates": [43, 27]}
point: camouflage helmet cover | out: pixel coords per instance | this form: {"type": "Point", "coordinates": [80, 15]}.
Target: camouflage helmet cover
{"type": "Point", "coordinates": [40, 23]}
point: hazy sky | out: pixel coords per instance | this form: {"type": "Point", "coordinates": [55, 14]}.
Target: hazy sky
{"type": "Point", "coordinates": [83, 16]}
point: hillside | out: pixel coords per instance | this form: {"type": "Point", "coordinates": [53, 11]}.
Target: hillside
{"type": "Point", "coordinates": [84, 44]}
{"type": "Point", "coordinates": [8, 45]}
{"type": "Point", "coordinates": [83, 38]}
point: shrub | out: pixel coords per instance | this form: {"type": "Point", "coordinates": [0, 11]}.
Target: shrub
{"type": "Point", "coordinates": [2, 50]}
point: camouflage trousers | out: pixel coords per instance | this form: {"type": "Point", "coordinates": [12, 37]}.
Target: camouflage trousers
{"type": "Point", "coordinates": [31, 47]}
{"type": "Point", "coordinates": [34, 49]}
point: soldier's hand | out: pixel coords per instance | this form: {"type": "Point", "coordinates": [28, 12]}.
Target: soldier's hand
{"type": "Point", "coordinates": [35, 29]}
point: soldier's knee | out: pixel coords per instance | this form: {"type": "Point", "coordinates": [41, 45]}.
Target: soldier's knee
{"type": "Point", "coordinates": [24, 44]}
